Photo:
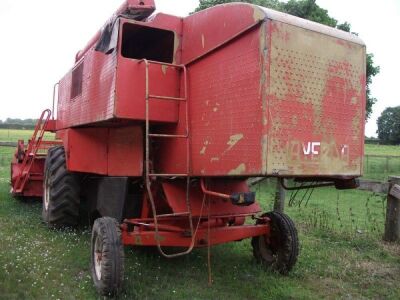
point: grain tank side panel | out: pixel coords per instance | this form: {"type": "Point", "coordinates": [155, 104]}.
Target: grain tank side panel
{"type": "Point", "coordinates": [225, 97]}
{"type": "Point", "coordinates": [316, 103]}
{"type": "Point", "coordinates": [87, 92]}
{"type": "Point", "coordinates": [210, 28]}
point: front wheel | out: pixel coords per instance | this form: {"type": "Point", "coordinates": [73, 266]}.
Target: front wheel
{"type": "Point", "coordinates": [279, 249]}
{"type": "Point", "coordinates": [107, 256]}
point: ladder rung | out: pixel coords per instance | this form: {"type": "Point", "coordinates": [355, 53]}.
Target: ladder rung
{"type": "Point", "coordinates": [166, 98]}
{"type": "Point", "coordinates": [186, 213]}
{"type": "Point", "coordinates": [161, 135]}
{"type": "Point", "coordinates": [168, 175]}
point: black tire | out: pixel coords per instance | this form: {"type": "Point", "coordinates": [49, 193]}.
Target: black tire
{"type": "Point", "coordinates": [279, 250]}
{"type": "Point", "coordinates": [107, 256]}
{"type": "Point", "coordinates": [61, 191]}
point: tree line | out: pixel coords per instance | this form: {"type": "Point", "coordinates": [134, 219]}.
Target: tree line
{"type": "Point", "coordinates": [16, 123]}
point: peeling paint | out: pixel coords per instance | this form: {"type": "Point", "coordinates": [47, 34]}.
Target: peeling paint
{"type": "Point", "coordinates": [176, 46]}
{"type": "Point", "coordinates": [263, 76]}
{"type": "Point", "coordinates": [202, 40]}
{"type": "Point", "coordinates": [233, 140]}
{"type": "Point", "coordinates": [203, 150]}
{"type": "Point", "coordinates": [264, 153]}
{"type": "Point", "coordinates": [258, 14]}
{"type": "Point", "coordinates": [240, 169]}
{"type": "Point", "coordinates": [214, 159]}
{"type": "Point", "coordinates": [164, 69]}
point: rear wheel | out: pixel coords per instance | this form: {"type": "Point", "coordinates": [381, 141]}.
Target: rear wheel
{"type": "Point", "coordinates": [60, 191]}
{"type": "Point", "coordinates": [107, 256]}
{"type": "Point", "coordinates": [279, 249]}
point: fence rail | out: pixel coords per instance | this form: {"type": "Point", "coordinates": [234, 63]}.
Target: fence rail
{"type": "Point", "coordinates": [8, 144]}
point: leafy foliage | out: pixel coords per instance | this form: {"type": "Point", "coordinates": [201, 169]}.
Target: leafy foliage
{"type": "Point", "coordinates": [309, 9]}
{"type": "Point", "coordinates": [389, 125]}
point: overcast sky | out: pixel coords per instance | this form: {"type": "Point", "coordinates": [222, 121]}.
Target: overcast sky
{"type": "Point", "coordinates": [39, 40]}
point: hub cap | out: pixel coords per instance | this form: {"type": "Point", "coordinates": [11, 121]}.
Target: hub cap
{"type": "Point", "coordinates": [46, 193]}
{"type": "Point", "coordinates": [97, 257]}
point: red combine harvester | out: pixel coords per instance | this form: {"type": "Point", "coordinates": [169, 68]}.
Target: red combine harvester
{"type": "Point", "coordinates": [162, 120]}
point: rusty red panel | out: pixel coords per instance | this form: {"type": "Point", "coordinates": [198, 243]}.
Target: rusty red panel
{"type": "Point", "coordinates": [125, 151]}
{"type": "Point", "coordinates": [225, 112]}
{"type": "Point", "coordinates": [208, 29]}
{"type": "Point", "coordinates": [34, 185]}
{"type": "Point", "coordinates": [86, 150]}
{"type": "Point", "coordinates": [217, 236]}
{"type": "Point", "coordinates": [316, 100]}
{"type": "Point", "coordinates": [95, 103]}
{"type": "Point", "coordinates": [105, 151]}
{"type": "Point", "coordinates": [131, 88]}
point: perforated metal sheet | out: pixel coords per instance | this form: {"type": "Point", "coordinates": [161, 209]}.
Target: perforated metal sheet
{"type": "Point", "coordinates": [316, 103]}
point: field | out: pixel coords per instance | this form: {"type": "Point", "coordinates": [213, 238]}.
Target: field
{"type": "Point", "coordinates": [342, 255]}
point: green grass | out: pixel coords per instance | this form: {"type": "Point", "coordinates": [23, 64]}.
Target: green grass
{"type": "Point", "coordinates": [380, 168]}
{"type": "Point", "coordinates": [382, 150]}
{"type": "Point", "coordinates": [13, 135]}
{"type": "Point", "coordinates": [342, 255]}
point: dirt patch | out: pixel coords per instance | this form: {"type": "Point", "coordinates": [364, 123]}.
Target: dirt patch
{"type": "Point", "coordinates": [392, 248]}
{"type": "Point", "coordinates": [379, 269]}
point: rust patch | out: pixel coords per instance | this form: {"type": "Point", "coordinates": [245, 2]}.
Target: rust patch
{"type": "Point", "coordinates": [138, 240]}
{"type": "Point", "coordinates": [202, 40]}
{"type": "Point", "coordinates": [159, 238]}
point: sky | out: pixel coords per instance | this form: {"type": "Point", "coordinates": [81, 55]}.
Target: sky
{"type": "Point", "coordinates": [39, 40]}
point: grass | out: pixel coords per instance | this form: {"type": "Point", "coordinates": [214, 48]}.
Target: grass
{"type": "Point", "coordinates": [342, 255]}
{"type": "Point", "coordinates": [382, 150]}
{"type": "Point", "coordinates": [13, 135]}
{"type": "Point", "coordinates": [380, 168]}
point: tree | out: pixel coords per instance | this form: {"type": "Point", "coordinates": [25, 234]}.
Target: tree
{"type": "Point", "coordinates": [308, 9]}
{"type": "Point", "coordinates": [389, 125]}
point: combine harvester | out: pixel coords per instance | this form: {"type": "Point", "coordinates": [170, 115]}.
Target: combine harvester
{"type": "Point", "coordinates": [162, 120]}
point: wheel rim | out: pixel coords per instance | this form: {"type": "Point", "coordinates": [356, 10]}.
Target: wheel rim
{"type": "Point", "coordinates": [265, 250]}
{"type": "Point", "coordinates": [98, 253]}
{"type": "Point", "coordinates": [46, 193]}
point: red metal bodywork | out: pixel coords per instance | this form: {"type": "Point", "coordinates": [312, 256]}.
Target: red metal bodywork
{"type": "Point", "coordinates": [268, 94]}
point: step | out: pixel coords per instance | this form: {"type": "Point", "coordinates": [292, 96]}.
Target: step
{"type": "Point", "coordinates": [168, 175]}
{"type": "Point", "coordinates": [186, 213]}
{"type": "Point", "coordinates": [162, 135]}
{"type": "Point", "coordinates": [166, 98]}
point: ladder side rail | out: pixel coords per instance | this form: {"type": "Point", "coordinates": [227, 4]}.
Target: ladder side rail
{"type": "Point", "coordinates": [147, 167]}
{"type": "Point", "coordinates": [32, 149]}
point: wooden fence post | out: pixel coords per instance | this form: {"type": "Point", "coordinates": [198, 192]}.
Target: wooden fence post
{"type": "Point", "coordinates": [280, 194]}
{"type": "Point", "coordinates": [392, 224]}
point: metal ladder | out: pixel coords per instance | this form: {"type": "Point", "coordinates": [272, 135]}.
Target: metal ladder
{"type": "Point", "coordinates": [31, 151]}
{"type": "Point", "coordinates": [148, 174]}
